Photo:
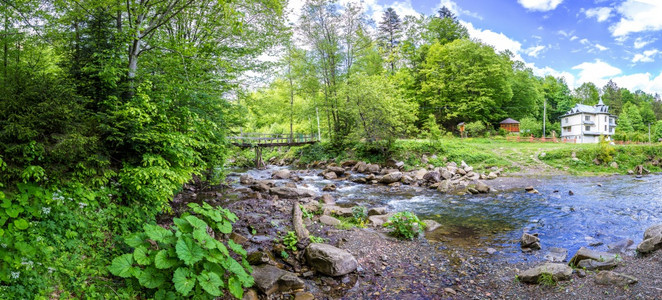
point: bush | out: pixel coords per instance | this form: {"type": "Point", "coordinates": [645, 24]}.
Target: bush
{"type": "Point", "coordinates": [474, 129]}
{"type": "Point", "coordinates": [405, 225]}
{"type": "Point", "coordinates": [605, 151]}
{"type": "Point", "coordinates": [187, 255]}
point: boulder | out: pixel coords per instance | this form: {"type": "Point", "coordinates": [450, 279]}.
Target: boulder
{"type": "Point", "coordinates": [329, 187]}
{"type": "Point", "coordinates": [330, 260]}
{"type": "Point", "coordinates": [556, 254]}
{"type": "Point", "coordinates": [492, 175]}
{"type": "Point", "coordinates": [260, 186]}
{"type": "Point", "coordinates": [330, 175]}
{"type": "Point", "coordinates": [259, 258]}
{"type": "Point", "coordinates": [482, 187]}
{"type": "Point", "coordinates": [585, 253]}
{"type": "Point", "coordinates": [432, 176]}
{"type": "Point", "coordinates": [338, 170]}
{"type": "Point", "coordinates": [287, 192]}
{"type": "Point", "coordinates": [281, 174]}
{"type": "Point", "coordinates": [559, 272]}
{"type": "Point", "coordinates": [270, 279]}
{"type": "Point", "coordinates": [376, 211]}
{"type": "Point", "coordinates": [529, 242]}
{"type": "Point", "coordinates": [348, 163]}
{"type": "Point", "coordinates": [445, 173]}
{"type": "Point", "coordinates": [406, 179]}
{"type": "Point", "coordinates": [420, 174]}
{"type": "Point", "coordinates": [391, 178]}
{"type": "Point", "coordinates": [246, 179]}
{"type": "Point", "coordinates": [461, 172]}
{"type": "Point", "coordinates": [463, 165]}
{"type": "Point", "coordinates": [329, 220]}
{"type": "Point", "coordinates": [591, 265]}
{"type": "Point", "coordinates": [620, 246]}
{"type": "Point", "coordinates": [328, 199]}
{"type": "Point", "coordinates": [613, 278]}
{"type": "Point", "coordinates": [468, 169]}
{"type": "Point", "coordinates": [360, 167]}
{"type": "Point", "coordinates": [373, 168]}
{"type": "Point", "coordinates": [652, 239]}
{"type": "Point", "coordinates": [337, 210]}
{"type": "Point", "coordinates": [379, 220]}
{"type": "Point", "coordinates": [431, 225]}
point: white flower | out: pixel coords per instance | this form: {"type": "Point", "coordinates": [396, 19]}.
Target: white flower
{"type": "Point", "coordinates": [81, 204]}
{"type": "Point", "coordinates": [3, 245]}
{"type": "Point", "coordinates": [50, 270]}
{"type": "Point", "coordinates": [15, 275]}
{"type": "Point", "coordinates": [46, 210]}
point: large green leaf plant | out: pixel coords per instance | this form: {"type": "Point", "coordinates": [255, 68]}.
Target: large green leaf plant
{"type": "Point", "coordinates": [187, 260]}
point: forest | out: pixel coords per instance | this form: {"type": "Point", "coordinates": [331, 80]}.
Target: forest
{"type": "Point", "coordinates": [108, 108]}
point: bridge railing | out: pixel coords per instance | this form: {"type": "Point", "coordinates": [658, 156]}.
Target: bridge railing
{"type": "Point", "coordinates": [271, 138]}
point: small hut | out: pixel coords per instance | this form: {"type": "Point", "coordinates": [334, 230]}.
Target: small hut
{"type": "Point", "coordinates": [510, 125]}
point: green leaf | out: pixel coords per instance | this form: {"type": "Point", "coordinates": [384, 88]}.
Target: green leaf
{"type": "Point", "coordinates": [235, 267]}
{"type": "Point", "coordinates": [157, 233]}
{"type": "Point", "coordinates": [184, 280]}
{"type": "Point", "coordinates": [183, 225]}
{"type": "Point", "coordinates": [196, 222]}
{"type": "Point", "coordinates": [188, 251]}
{"type": "Point", "coordinates": [210, 282]}
{"type": "Point", "coordinates": [135, 240]}
{"type": "Point", "coordinates": [234, 285]}
{"type": "Point", "coordinates": [163, 261]}
{"type": "Point", "coordinates": [220, 246]}
{"type": "Point", "coordinates": [151, 278]}
{"type": "Point", "coordinates": [203, 238]}
{"type": "Point", "coordinates": [141, 255]}
{"type": "Point", "coordinates": [21, 224]}
{"type": "Point", "coordinates": [122, 266]}
{"type": "Point", "coordinates": [224, 227]}
{"type": "Point", "coordinates": [164, 295]}
{"type": "Point", "coordinates": [236, 248]}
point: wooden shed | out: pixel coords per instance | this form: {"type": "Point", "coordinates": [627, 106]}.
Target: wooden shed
{"type": "Point", "coordinates": [510, 125]}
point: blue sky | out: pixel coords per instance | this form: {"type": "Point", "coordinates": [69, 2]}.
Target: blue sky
{"type": "Point", "coordinates": [582, 41]}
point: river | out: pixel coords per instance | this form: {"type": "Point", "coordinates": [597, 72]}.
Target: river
{"type": "Point", "coordinates": [600, 211]}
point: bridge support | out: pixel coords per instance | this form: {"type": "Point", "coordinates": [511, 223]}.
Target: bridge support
{"type": "Point", "coordinates": [258, 158]}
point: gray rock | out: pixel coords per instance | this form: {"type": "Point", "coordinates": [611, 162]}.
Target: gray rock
{"type": "Point", "coordinates": [473, 191]}
{"type": "Point", "coordinates": [556, 254]}
{"type": "Point", "coordinates": [329, 220]}
{"type": "Point", "coordinates": [584, 253]}
{"type": "Point", "coordinates": [281, 174]}
{"type": "Point", "coordinates": [328, 199]}
{"type": "Point", "coordinates": [379, 220]}
{"type": "Point", "coordinates": [259, 258]}
{"type": "Point", "coordinates": [391, 178]}
{"type": "Point", "coordinates": [330, 260]}
{"type": "Point", "coordinates": [260, 186]}
{"type": "Point", "coordinates": [432, 176]}
{"type": "Point", "coordinates": [653, 231]}
{"type": "Point", "coordinates": [270, 279]}
{"type": "Point", "coordinates": [297, 222]}
{"type": "Point", "coordinates": [420, 174]}
{"type": "Point", "coordinates": [406, 179]}
{"type": "Point", "coordinates": [445, 174]}
{"type": "Point", "coordinates": [373, 168]}
{"type": "Point", "coordinates": [650, 244]}
{"type": "Point", "coordinates": [376, 211]}
{"type": "Point", "coordinates": [287, 192]}
{"type": "Point", "coordinates": [613, 278]}
{"type": "Point", "coordinates": [444, 186]}
{"type": "Point", "coordinates": [491, 251]}
{"type": "Point", "coordinates": [431, 225]}
{"type": "Point", "coordinates": [468, 169]}
{"type": "Point", "coordinates": [330, 175]}
{"type": "Point", "coordinates": [337, 210]}
{"type": "Point", "coordinates": [591, 265]}
{"type": "Point", "coordinates": [360, 167]}
{"type": "Point", "coordinates": [338, 170]}
{"type": "Point", "coordinates": [614, 165]}
{"type": "Point", "coordinates": [482, 187]}
{"type": "Point", "coordinates": [529, 242]}
{"type": "Point", "coordinates": [492, 175]}
{"type": "Point", "coordinates": [559, 272]}
{"type": "Point", "coordinates": [620, 246]}
{"type": "Point", "coordinates": [246, 179]}
{"type": "Point", "coordinates": [329, 187]}
{"type": "Point", "coordinates": [349, 163]}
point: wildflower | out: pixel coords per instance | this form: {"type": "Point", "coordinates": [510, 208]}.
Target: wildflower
{"type": "Point", "coordinates": [46, 210]}
{"type": "Point", "coordinates": [82, 205]}
{"type": "Point", "coordinates": [15, 275]}
{"type": "Point", "coordinates": [51, 270]}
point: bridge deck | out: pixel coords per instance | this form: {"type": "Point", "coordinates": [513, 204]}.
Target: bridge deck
{"type": "Point", "coordinates": [271, 140]}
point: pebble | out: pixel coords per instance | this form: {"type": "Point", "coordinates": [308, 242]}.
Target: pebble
{"type": "Point", "coordinates": [450, 291]}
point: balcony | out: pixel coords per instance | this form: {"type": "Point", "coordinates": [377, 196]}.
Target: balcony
{"type": "Point", "coordinates": [588, 122]}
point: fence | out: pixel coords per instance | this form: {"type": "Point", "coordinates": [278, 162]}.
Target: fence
{"type": "Point", "coordinates": [532, 139]}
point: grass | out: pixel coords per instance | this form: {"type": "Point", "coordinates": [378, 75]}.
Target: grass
{"type": "Point", "coordinates": [481, 153]}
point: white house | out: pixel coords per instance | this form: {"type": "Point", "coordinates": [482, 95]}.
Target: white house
{"type": "Point", "coordinates": [585, 124]}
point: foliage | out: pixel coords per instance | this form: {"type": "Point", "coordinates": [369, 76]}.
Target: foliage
{"type": "Point", "coordinates": [546, 279]}
{"type": "Point", "coordinates": [187, 255]}
{"type": "Point", "coordinates": [306, 213]}
{"type": "Point", "coordinates": [431, 130]}
{"type": "Point", "coordinates": [605, 151]}
{"type": "Point", "coordinates": [316, 239]}
{"type": "Point", "coordinates": [475, 128]}
{"type": "Point", "coordinates": [359, 215]}
{"type": "Point", "coordinates": [290, 241]}
{"type": "Point", "coordinates": [405, 225]}
{"type": "Point", "coordinates": [530, 126]}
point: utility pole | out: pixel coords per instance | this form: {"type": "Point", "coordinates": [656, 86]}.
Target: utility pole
{"type": "Point", "coordinates": [544, 117]}
{"type": "Point", "coordinates": [319, 134]}
{"type": "Point", "coordinates": [649, 133]}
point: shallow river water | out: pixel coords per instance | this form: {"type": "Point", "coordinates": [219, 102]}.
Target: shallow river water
{"type": "Point", "coordinates": [601, 211]}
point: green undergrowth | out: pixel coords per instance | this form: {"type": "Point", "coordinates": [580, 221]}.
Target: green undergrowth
{"type": "Point", "coordinates": [626, 157]}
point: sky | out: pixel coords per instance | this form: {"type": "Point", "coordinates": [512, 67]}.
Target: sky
{"type": "Point", "coordinates": [579, 40]}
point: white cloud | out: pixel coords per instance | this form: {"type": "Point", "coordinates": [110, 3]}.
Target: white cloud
{"type": "Point", "coordinates": [574, 37]}
{"type": "Point", "coordinates": [640, 42]}
{"type": "Point", "coordinates": [540, 5]}
{"type": "Point", "coordinates": [499, 41]}
{"type": "Point", "coordinates": [638, 16]}
{"type": "Point", "coordinates": [600, 13]}
{"type": "Point", "coordinates": [534, 51]}
{"type": "Point", "coordinates": [584, 41]}
{"type": "Point", "coordinates": [456, 9]}
{"type": "Point", "coordinates": [542, 72]}
{"type": "Point", "coordinates": [640, 81]}
{"type": "Point", "coordinates": [600, 47]}
{"type": "Point", "coordinates": [647, 56]}
{"type": "Point", "coordinates": [598, 72]}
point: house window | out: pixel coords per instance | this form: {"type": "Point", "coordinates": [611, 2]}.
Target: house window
{"type": "Point", "coordinates": [605, 127]}
{"type": "Point", "coordinates": [565, 120]}
{"type": "Point", "coordinates": [587, 128]}
{"type": "Point", "coordinates": [605, 118]}
{"type": "Point", "coordinates": [587, 118]}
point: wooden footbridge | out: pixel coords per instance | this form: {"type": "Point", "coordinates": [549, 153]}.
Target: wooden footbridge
{"type": "Point", "coordinates": [264, 140]}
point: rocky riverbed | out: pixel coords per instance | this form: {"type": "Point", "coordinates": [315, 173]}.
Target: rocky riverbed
{"type": "Point", "coordinates": [455, 262]}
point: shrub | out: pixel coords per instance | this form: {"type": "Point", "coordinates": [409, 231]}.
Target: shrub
{"type": "Point", "coordinates": [359, 215]}
{"type": "Point", "coordinates": [188, 256]}
{"type": "Point", "coordinates": [605, 151]}
{"type": "Point", "coordinates": [405, 225]}
{"type": "Point", "coordinates": [290, 241]}
{"type": "Point", "coordinates": [475, 128]}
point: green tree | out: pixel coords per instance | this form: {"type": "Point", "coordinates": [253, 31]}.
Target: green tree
{"type": "Point", "coordinates": [389, 34]}
{"type": "Point", "coordinates": [431, 130]}
{"type": "Point", "coordinates": [630, 119]}
{"type": "Point", "coordinates": [587, 94]}
{"type": "Point", "coordinates": [611, 95]}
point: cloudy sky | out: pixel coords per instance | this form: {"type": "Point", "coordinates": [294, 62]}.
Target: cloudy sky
{"type": "Point", "coordinates": [582, 41]}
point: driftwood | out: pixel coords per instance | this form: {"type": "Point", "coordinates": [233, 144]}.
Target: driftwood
{"type": "Point", "coordinates": [297, 221]}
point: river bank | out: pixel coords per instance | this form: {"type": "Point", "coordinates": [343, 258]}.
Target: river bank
{"type": "Point", "coordinates": [475, 260]}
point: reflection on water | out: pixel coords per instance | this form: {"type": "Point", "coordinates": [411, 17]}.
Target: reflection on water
{"type": "Point", "coordinates": [621, 208]}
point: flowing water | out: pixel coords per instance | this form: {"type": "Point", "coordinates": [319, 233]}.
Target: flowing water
{"type": "Point", "coordinates": [602, 211]}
